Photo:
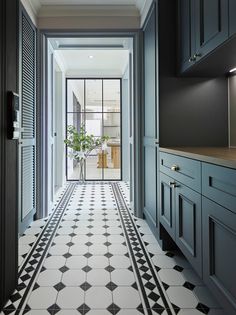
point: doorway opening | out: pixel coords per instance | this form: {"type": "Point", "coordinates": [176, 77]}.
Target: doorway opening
{"type": "Point", "coordinates": [88, 83]}
{"type": "Point", "coordinates": [95, 104]}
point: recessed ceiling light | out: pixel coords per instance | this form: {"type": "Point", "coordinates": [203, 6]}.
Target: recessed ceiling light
{"type": "Point", "coordinates": [90, 56]}
{"type": "Point", "coordinates": [232, 70]}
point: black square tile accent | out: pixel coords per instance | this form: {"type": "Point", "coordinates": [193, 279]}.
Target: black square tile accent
{"type": "Point", "coordinates": [83, 309]}
{"type": "Point", "coordinates": [109, 268]}
{"type": "Point", "coordinates": [85, 286]}
{"type": "Point", "coordinates": [113, 309]}
{"type": "Point", "coordinates": [70, 244]}
{"type": "Point", "coordinates": [111, 286]}
{"type": "Point", "coordinates": [67, 255]}
{"type": "Point", "coordinates": [108, 255]}
{"type": "Point", "coordinates": [155, 297]}
{"type": "Point", "coordinates": [64, 269]}
{"type": "Point", "coordinates": [189, 285]}
{"type": "Point", "coordinates": [59, 286]}
{"type": "Point", "coordinates": [87, 269]}
{"type": "Point", "coordinates": [203, 308]}
{"type": "Point", "coordinates": [53, 309]}
{"type": "Point", "coordinates": [178, 268]}
{"type": "Point", "coordinates": [36, 286]}
{"type": "Point", "coordinates": [88, 255]}
{"type": "Point", "coordinates": [165, 285]}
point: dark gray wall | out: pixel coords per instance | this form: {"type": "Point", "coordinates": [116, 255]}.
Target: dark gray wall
{"type": "Point", "coordinates": [8, 160]}
{"type": "Point", "coordinates": [193, 111]}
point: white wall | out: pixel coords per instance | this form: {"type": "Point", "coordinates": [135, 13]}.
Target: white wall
{"type": "Point", "coordinates": [125, 125]}
{"type": "Point", "coordinates": [60, 112]}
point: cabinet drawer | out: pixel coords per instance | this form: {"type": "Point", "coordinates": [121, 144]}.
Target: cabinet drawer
{"type": "Point", "coordinates": [182, 169]}
{"type": "Point", "coordinates": [219, 184]}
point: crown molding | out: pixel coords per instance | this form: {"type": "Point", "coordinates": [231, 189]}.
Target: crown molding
{"type": "Point", "coordinates": [35, 5]}
{"type": "Point", "coordinates": [82, 10]}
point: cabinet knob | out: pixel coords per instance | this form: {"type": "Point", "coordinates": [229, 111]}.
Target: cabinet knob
{"type": "Point", "coordinates": [175, 168]}
{"type": "Point", "coordinates": [192, 59]}
{"type": "Point", "coordinates": [197, 55]}
{"type": "Point", "coordinates": [173, 184]}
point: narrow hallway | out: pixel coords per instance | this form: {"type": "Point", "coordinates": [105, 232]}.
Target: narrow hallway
{"type": "Point", "coordinates": [92, 256]}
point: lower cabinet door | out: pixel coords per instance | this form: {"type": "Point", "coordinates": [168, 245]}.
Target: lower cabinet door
{"type": "Point", "coordinates": [188, 225]}
{"type": "Point", "coordinates": [219, 253]}
{"type": "Point", "coordinates": [167, 204]}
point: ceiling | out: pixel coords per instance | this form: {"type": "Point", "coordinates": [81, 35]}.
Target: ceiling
{"type": "Point", "coordinates": [93, 56]}
{"type": "Point", "coordinates": [138, 4]}
{"type": "Point", "coordinates": [102, 61]}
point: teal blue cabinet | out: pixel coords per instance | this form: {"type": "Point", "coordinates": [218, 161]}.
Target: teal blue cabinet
{"type": "Point", "coordinates": [203, 26]}
{"type": "Point", "coordinates": [167, 204]}
{"type": "Point", "coordinates": [188, 225]}
{"type": "Point", "coordinates": [232, 19]}
{"type": "Point", "coordinates": [219, 255]}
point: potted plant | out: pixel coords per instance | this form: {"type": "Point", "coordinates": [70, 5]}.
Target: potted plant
{"type": "Point", "coordinates": [81, 145]}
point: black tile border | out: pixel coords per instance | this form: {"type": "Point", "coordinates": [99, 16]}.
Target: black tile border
{"type": "Point", "coordinates": [127, 221]}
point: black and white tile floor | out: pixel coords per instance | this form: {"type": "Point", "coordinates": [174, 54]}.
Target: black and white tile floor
{"type": "Point", "coordinates": [92, 256]}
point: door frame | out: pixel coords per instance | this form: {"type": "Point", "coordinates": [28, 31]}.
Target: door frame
{"type": "Point", "coordinates": [67, 79]}
{"type": "Point", "coordinates": [43, 35]}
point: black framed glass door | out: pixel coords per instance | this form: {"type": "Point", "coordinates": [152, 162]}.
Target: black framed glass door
{"type": "Point", "coordinates": [96, 105]}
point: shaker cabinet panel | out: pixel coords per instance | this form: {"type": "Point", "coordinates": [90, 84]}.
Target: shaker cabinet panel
{"type": "Point", "coordinates": [232, 19]}
{"type": "Point", "coordinates": [211, 18]}
{"type": "Point", "coordinates": [167, 204]}
{"type": "Point", "coordinates": [219, 255]}
{"type": "Point", "coordinates": [186, 36]}
{"type": "Point", "coordinates": [203, 26]}
{"type": "Point", "coordinates": [188, 225]}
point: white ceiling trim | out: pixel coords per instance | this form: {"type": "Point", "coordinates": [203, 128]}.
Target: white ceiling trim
{"type": "Point", "coordinates": [102, 10]}
{"type": "Point", "coordinates": [137, 9]}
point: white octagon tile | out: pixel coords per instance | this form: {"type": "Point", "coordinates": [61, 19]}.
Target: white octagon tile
{"type": "Point", "coordinates": [42, 298]}
{"type": "Point", "coordinates": [70, 298]}
{"type": "Point", "coordinates": [98, 262]}
{"type": "Point", "coordinates": [98, 277]}
{"type": "Point", "coordinates": [49, 278]}
{"type": "Point", "coordinates": [73, 277]}
{"type": "Point", "coordinates": [119, 261]}
{"type": "Point", "coordinates": [126, 297]}
{"type": "Point", "coordinates": [76, 262]}
{"type": "Point", "coordinates": [122, 277]}
{"type": "Point", "coordinates": [98, 298]}
{"type": "Point", "coordinates": [182, 297]}
{"type": "Point", "coordinates": [54, 262]}
{"type": "Point", "coordinates": [171, 277]}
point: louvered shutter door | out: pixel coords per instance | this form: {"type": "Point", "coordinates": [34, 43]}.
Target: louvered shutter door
{"type": "Point", "coordinates": [28, 100]}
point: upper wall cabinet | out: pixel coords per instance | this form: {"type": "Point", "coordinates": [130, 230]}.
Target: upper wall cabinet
{"type": "Point", "coordinates": [211, 20]}
{"type": "Point", "coordinates": [186, 39]}
{"type": "Point", "coordinates": [232, 19]}
{"type": "Point", "coordinates": [203, 27]}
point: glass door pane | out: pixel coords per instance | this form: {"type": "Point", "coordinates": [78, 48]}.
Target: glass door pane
{"type": "Point", "coordinates": [96, 105]}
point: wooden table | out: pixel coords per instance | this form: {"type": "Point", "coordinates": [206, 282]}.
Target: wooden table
{"type": "Point", "coordinates": [115, 153]}
{"type": "Point", "coordinates": [102, 159]}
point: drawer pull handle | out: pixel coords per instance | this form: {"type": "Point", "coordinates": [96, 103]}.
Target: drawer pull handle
{"type": "Point", "coordinates": [173, 184]}
{"type": "Point", "coordinates": [175, 168]}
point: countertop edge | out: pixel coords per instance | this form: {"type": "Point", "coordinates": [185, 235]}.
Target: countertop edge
{"type": "Point", "coordinates": [201, 157]}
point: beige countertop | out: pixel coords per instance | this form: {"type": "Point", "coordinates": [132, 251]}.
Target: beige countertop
{"type": "Point", "coordinates": [216, 155]}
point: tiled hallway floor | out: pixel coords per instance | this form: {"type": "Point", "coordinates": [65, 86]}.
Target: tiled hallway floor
{"type": "Point", "coordinates": [91, 256]}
